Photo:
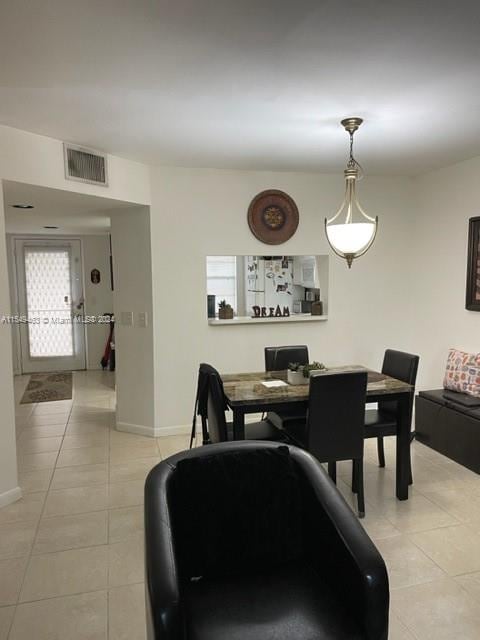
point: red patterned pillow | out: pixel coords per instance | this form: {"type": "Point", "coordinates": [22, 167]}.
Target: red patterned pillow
{"type": "Point", "coordinates": [463, 372]}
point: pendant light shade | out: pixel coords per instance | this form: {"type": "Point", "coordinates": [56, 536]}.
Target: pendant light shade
{"type": "Point", "coordinates": [351, 232]}
{"type": "Point", "coordinates": [351, 238]}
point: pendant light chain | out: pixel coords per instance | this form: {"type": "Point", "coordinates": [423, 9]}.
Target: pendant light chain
{"type": "Point", "coordinates": [352, 163]}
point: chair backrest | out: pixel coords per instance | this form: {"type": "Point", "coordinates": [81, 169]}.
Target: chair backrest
{"type": "Point", "coordinates": [278, 358]}
{"type": "Point", "coordinates": [400, 365]}
{"type": "Point", "coordinates": [204, 372]}
{"type": "Point", "coordinates": [236, 511]}
{"type": "Point", "coordinates": [336, 415]}
{"type": "Point", "coordinates": [217, 424]}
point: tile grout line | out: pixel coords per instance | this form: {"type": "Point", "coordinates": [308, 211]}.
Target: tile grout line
{"type": "Point", "coordinates": [68, 595]}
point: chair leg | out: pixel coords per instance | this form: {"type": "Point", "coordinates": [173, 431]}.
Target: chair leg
{"type": "Point", "coordinates": [381, 452]}
{"type": "Point", "coordinates": [360, 490]}
{"type": "Point", "coordinates": [332, 471]}
{"type": "Point", "coordinates": [205, 434]}
{"type": "Point", "coordinates": [193, 432]}
{"type": "Point", "coordinates": [354, 478]}
{"type": "Point", "coordinates": [410, 476]}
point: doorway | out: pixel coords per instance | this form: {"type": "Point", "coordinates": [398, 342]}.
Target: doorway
{"type": "Point", "coordinates": [50, 304]}
{"type": "Point", "coordinates": [49, 220]}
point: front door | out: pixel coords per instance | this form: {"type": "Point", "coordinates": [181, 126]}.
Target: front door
{"type": "Point", "coordinates": [50, 304]}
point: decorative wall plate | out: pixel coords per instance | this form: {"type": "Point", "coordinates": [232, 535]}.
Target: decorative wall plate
{"type": "Point", "coordinates": [273, 216]}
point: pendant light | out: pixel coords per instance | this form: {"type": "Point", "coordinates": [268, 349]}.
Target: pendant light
{"type": "Point", "coordinates": [350, 239]}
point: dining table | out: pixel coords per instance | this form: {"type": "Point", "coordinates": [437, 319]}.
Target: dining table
{"type": "Point", "coordinates": [245, 393]}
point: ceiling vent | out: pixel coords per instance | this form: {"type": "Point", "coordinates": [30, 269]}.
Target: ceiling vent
{"type": "Point", "coordinates": [85, 165]}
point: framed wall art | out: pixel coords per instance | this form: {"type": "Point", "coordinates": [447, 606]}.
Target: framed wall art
{"type": "Point", "coordinates": [273, 216]}
{"type": "Point", "coordinates": [472, 302]}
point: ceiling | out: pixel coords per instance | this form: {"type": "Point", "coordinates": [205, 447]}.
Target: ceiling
{"type": "Point", "coordinates": [252, 84]}
{"type": "Point", "coordinates": [71, 212]}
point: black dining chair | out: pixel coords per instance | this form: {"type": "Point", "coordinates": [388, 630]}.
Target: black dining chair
{"type": "Point", "coordinates": [382, 421]}
{"type": "Point", "coordinates": [200, 406]}
{"type": "Point", "coordinates": [278, 359]}
{"type": "Point", "coordinates": [333, 429]}
{"type": "Point", "coordinates": [219, 430]}
{"type": "Point", "coordinates": [249, 540]}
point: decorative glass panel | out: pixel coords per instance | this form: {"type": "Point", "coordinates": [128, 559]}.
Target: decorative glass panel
{"type": "Point", "coordinates": [47, 277]}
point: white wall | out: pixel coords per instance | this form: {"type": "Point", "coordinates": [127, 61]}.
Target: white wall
{"type": "Point", "coordinates": [38, 160]}
{"type": "Point", "coordinates": [132, 274]}
{"type": "Point", "coordinates": [98, 297]}
{"type": "Point", "coordinates": [445, 200]}
{"type": "Point", "coordinates": [9, 490]}
{"type": "Point", "coordinates": [200, 212]}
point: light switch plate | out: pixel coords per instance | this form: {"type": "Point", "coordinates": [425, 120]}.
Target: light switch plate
{"type": "Point", "coordinates": [126, 318]}
{"type": "Point", "coordinates": [142, 319]}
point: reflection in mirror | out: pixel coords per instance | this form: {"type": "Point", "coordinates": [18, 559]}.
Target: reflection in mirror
{"type": "Point", "coordinates": [260, 287]}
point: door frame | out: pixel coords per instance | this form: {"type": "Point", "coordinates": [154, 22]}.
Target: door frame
{"type": "Point", "coordinates": [14, 290]}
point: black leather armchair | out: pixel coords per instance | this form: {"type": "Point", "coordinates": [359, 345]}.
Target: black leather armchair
{"type": "Point", "coordinates": [272, 552]}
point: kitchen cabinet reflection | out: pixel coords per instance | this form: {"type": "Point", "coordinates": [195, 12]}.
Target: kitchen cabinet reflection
{"type": "Point", "coordinates": [267, 287]}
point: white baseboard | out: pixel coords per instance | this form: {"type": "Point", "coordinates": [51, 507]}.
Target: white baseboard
{"type": "Point", "coordinates": [185, 429]}
{"type": "Point", "coordinates": [139, 429]}
{"type": "Point", "coordinates": [174, 430]}
{"type": "Point", "coordinates": [177, 430]}
{"type": "Point", "coordinates": [10, 496]}
{"type": "Point", "coordinates": [155, 432]}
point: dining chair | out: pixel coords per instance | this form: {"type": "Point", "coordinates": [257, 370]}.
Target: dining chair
{"type": "Point", "coordinates": [249, 540]}
{"type": "Point", "coordinates": [200, 406]}
{"type": "Point", "coordinates": [383, 421]}
{"type": "Point", "coordinates": [333, 429]}
{"type": "Point", "coordinates": [219, 430]}
{"type": "Point", "coordinates": [278, 359]}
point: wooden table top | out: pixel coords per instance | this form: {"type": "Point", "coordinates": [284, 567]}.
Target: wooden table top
{"type": "Point", "coordinates": [247, 388]}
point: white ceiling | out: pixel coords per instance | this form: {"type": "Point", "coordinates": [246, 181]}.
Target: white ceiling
{"type": "Point", "coordinates": [71, 212]}
{"type": "Point", "coordinates": [248, 83]}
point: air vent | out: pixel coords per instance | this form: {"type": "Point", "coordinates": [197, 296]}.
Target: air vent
{"type": "Point", "coordinates": [85, 165]}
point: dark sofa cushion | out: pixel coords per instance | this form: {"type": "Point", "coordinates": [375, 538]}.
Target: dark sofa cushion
{"type": "Point", "coordinates": [236, 510]}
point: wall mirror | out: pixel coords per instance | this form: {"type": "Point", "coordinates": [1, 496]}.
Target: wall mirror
{"type": "Point", "coordinates": [252, 289]}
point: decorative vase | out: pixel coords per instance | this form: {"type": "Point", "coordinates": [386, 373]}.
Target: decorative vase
{"type": "Point", "coordinates": [296, 377]}
{"type": "Point", "coordinates": [317, 308]}
{"type": "Point", "coordinates": [225, 314]}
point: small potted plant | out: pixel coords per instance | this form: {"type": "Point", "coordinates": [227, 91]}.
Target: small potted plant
{"type": "Point", "coordinates": [295, 374]}
{"type": "Point", "coordinates": [225, 311]}
{"type": "Point", "coordinates": [314, 366]}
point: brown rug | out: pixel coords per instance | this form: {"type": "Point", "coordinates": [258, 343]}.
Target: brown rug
{"type": "Point", "coordinates": [47, 387]}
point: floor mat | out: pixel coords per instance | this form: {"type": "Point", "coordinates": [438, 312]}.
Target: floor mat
{"type": "Point", "coordinates": [48, 387]}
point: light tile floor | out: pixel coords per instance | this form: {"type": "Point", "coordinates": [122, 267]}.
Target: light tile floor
{"type": "Point", "coordinates": [71, 550]}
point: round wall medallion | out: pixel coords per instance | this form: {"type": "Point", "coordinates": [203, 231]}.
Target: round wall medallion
{"type": "Point", "coordinates": [273, 216]}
